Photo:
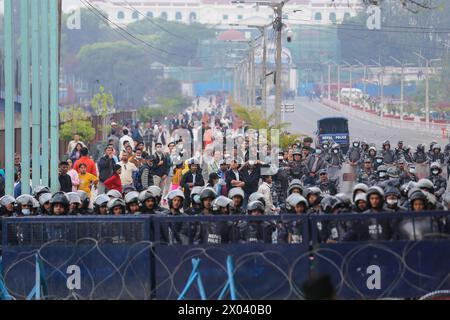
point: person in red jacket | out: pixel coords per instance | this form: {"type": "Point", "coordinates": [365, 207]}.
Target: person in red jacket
{"type": "Point", "coordinates": [84, 158]}
{"type": "Point", "coordinates": [114, 183]}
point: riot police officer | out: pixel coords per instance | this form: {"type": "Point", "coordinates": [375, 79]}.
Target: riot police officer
{"type": "Point", "coordinates": [354, 153]}
{"type": "Point", "coordinates": [100, 204]}
{"type": "Point", "coordinates": [59, 204]}
{"type": "Point", "coordinates": [132, 203]}
{"type": "Point", "coordinates": [297, 167]}
{"type": "Point", "coordinates": [440, 183]}
{"type": "Point", "coordinates": [85, 201]}
{"type": "Point", "coordinates": [366, 175]}
{"type": "Point", "coordinates": [325, 184]}
{"type": "Point", "coordinates": [420, 156]}
{"type": "Point", "coordinates": [292, 231]}
{"type": "Point", "coordinates": [74, 203]}
{"type": "Point", "coordinates": [237, 195]}
{"type": "Point", "coordinates": [149, 202]}
{"type": "Point", "coordinates": [388, 154]}
{"type": "Point", "coordinates": [196, 204]}
{"type": "Point", "coordinates": [7, 206]}
{"type": "Point", "coordinates": [256, 231]}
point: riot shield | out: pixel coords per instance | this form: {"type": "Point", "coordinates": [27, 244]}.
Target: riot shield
{"type": "Point", "coordinates": [422, 170]}
{"type": "Point", "coordinates": [347, 178]}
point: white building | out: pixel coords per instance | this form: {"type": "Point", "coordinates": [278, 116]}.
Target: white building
{"type": "Point", "coordinates": [223, 12]}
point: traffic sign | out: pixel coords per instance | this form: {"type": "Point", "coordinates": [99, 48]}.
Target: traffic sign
{"type": "Point", "coordinates": [288, 108]}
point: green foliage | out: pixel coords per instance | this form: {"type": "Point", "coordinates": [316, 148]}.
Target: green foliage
{"type": "Point", "coordinates": [166, 106]}
{"type": "Point", "coordinates": [103, 103]}
{"type": "Point", "coordinates": [255, 119]}
{"type": "Point", "coordinates": [439, 90]}
{"type": "Point", "coordinates": [76, 121]}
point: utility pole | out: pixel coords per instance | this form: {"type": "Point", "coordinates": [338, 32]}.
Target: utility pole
{"type": "Point", "coordinates": [427, 87]}
{"type": "Point", "coordinates": [339, 83]}
{"type": "Point", "coordinates": [264, 72]}
{"type": "Point", "coordinates": [381, 82]}
{"type": "Point", "coordinates": [402, 86]}
{"type": "Point", "coordinates": [278, 25]}
{"type": "Point", "coordinates": [329, 81]}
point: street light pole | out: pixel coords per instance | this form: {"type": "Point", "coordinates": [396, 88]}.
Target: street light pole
{"type": "Point", "coordinates": [329, 81]}
{"type": "Point", "coordinates": [278, 62]}
{"type": "Point", "coordinates": [381, 83]}
{"type": "Point", "coordinates": [402, 87]}
{"type": "Point", "coordinates": [427, 87]}
{"type": "Point", "coordinates": [264, 72]}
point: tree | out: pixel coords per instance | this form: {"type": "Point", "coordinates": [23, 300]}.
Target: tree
{"type": "Point", "coordinates": [76, 121]}
{"type": "Point", "coordinates": [103, 105]}
{"type": "Point", "coordinates": [255, 119]}
{"type": "Point", "coordinates": [122, 67]}
{"type": "Point", "coordinates": [166, 106]}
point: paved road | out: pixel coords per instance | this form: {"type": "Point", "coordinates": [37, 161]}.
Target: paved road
{"type": "Point", "coordinates": [304, 120]}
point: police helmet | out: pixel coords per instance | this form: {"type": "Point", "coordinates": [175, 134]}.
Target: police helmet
{"type": "Point", "coordinates": [37, 191]}
{"type": "Point", "coordinates": [115, 194]}
{"type": "Point", "coordinates": [156, 191]}
{"type": "Point", "coordinates": [312, 190]}
{"type": "Point", "coordinates": [436, 146]}
{"type": "Point", "coordinates": [345, 199]}
{"type": "Point", "coordinates": [361, 197]}
{"type": "Point", "coordinates": [359, 187]}
{"type": "Point", "coordinates": [256, 206]}
{"type": "Point", "coordinates": [116, 202]}
{"type": "Point", "coordinates": [145, 195]}
{"type": "Point", "coordinates": [297, 152]}
{"type": "Point", "coordinates": [425, 184]}
{"type": "Point", "coordinates": [417, 194]}
{"type": "Point", "coordinates": [406, 187]}
{"type": "Point", "coordinates": [375, 190]}
{"type": "Point", "coordinates": [257, 196]}
{"type": "Point", "coordinates": [392, 172]}
{"type": "Point", "coordinates": [25, 200]}
{"type": "Point", "coordinates": [295, 199]}
{"type": "Point", "coordinates": [327, 204]}
{"type": "Point", "coordinates": [435, 166]}
{"type": "Point", "coordinates": [84, 197]}
{"type": "Point", "coordinates": [61, 198]}
{"type": "Point", "coordinates": [382, 168]}
{"type": "Point", "coordinates": [132, 197]}
{"type": "Point", "coordinates": [44, 198]}
{"type": "Point", "coordinates": [6, 200]}
{"type": "Point", "coordinates": [392, 191]}
{"type": "Point", "coordinates": [101, 200]}
{"type": "Point", "coordinates": [207, 193]}
{"type": "Point", "coordinates": [74, 197]}
{"type": "Point", "coordinates": [295, 186]}
{"type": "Point", "coordinates": [174, 194]}
{"type": "Point", "coordinates": [195, 194]}
{"type": "Point", "coordinates": [221, 202]}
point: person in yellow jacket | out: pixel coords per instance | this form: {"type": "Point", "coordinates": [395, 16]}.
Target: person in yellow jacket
{"type": "Point", "coordinates": [87, 180]}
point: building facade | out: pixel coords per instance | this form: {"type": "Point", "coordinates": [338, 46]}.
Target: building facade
{"type": "Point", "coordinates": [223, 12]}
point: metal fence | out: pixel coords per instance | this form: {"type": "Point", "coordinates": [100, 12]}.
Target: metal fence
{"type": "Point", "coordinates": [139, 257]}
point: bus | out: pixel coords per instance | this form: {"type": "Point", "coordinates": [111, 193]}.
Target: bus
{"type": "Point", "coordinates": [335, 129]}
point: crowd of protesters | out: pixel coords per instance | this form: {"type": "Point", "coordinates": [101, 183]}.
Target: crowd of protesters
{"type": "Point", "coordinates": [144, 170]}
